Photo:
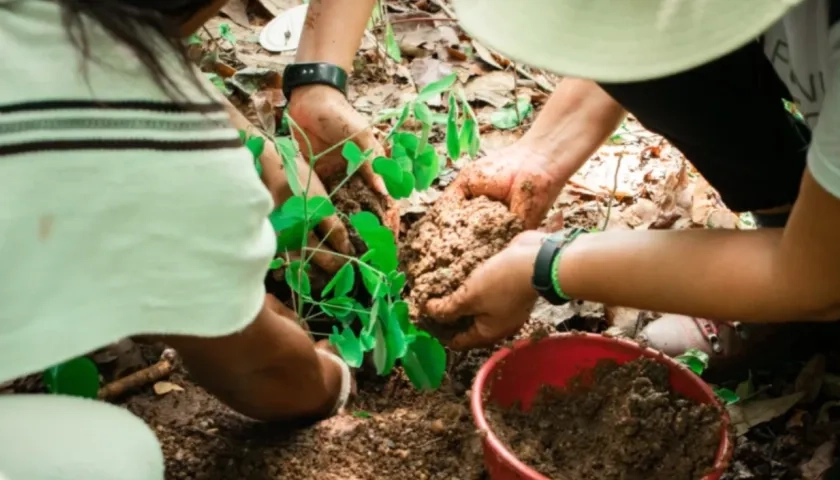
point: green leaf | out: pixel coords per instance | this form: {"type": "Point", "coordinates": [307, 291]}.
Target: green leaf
{"type": "Point", "coordinates": [436, 88]}
{"type": "Point", "coordinates": [298, 279]}
{"type": "Point", "coordinates": [403, 117]}
{"type": "Point", "coordinates": [277, 263]}
{"type": "Point", "coordinates": [342, 282]}
{"type": "Point", "coordinates": [392, 48]}
{"type": "Point", "coordinates": [364, 222]}
{"type": "Point", "coordinates": [507, 117]}
{"type": "Point", "coordinates": [368, 341]}
{"type": "Point", "coordinates": [469, 137]}
{"type": "Point", "coordinates": [256, 144]}
{"type": "Point", "coordinates": [394, 336]}
{"type": "Point", "coordinates": [291, 238]}
{"type": "Point", "coordinates": [426, 169]}
{"type": "Point", "coordinates": [423, 113]}
{"type": "Point", "coordinates": [727, 396]}
{"type": "Point", "coordinates": [382, 249]}
{"type": "Point", "coordinates": [388, 169]}
{"type": "Point", "coordinates": [354, 156]}
{"type": "Point", "coordinates": [380, 350]}
{"type": "Point", "coordinates": [78, 377]}
{"type": "Point", "coordinates": [318, 208]}
{"type": "Point", "coordinates": [226, 33]}
{"type": "Point", "coordinates": [297, 210]}
{"type": "Point", "coordinates": [219, 82]}
{"type": "Point", "coordinates": [281, 221]}
{"type": "Point", "coordinates": [697, 361]}
{"type": "Point", "coordinates": [453, 141]}
{"type": "Point", "coordinates": [194, 40]}
{"type": "Point", "coordinates": [339, 307]}
{"type": "Point", "coordinates": [400, 310]}
{"type": "Point", "coordinates": [425, 363]}
{"type": "Point", "coordinates": [372, 280]}
{"type": "Point", "coordinates": [397, 281]}
{"type": "Point", "coordinates": [288, 153]}
{"type": "Point", "coordinates": [408, 142]}
{"type": "Point", "coordinates": [361, 414]}
{"type": "Point", "coordinates": [348, 346]}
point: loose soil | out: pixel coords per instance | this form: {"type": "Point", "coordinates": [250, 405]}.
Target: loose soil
{"type": "Point", "coordinates": [446, 245]}
{"type": "Point", "coordinates": [626, 424]}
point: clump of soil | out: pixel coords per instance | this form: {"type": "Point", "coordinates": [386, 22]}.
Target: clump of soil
{"type": "Point", "coordinates": [445, 246]}
{"type": "Point", "coordinates": [627, 424]}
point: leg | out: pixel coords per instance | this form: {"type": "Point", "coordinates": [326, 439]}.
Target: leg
{"type": "Point", "coordinates": [51, 437]}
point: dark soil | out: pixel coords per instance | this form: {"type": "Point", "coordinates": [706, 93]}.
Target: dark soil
{"type": "Point", "coordinates": [627, 424]}
{"type": "Point", "coordinates": [446, 245]}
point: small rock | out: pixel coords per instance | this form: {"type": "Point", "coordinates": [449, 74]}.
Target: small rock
{"type": "Point", "coordinates": [437, 426]}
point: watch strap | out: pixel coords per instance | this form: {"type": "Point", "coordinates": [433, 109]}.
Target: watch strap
{"type": "Point", "coordinates": [318, 73]}
{"type": "Point", "coordinates": [544, 279]}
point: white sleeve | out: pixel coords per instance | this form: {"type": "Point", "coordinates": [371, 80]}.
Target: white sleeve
{"type": "Point", "coordinates": [824, 152]}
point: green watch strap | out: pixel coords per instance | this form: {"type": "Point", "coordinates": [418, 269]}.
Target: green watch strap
{"type": "Point", "coordinates": [555, 263]}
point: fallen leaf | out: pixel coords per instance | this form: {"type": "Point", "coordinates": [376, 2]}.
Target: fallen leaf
{"type": "Point", "coordinates": [237, 10]}
{"type": "Point", "coordinates": [820, 462]}
{"type": "Point", "coordinates": [810, 379]}
{"type": "Point", "coordinates": [831, 385]}
{"type": "Point", "coordinates": [626, 319]}
{"type": "Point", "coordinates": [426, 70]}
{"type": "Point", "coordinates": [749, 414]}
{"type": "Point", "coordinates": [494, 88]}
{"type": "Point", "coordinates": [276, 7]}
{"type": "Point", "coordinates": [162, 388]}
{"type": "Point", "coordinates": [796, 420]}
{"type": "Point", "coordinates": [485, 55]}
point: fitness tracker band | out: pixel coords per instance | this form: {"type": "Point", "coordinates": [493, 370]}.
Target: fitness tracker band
{"type": "Point", "coordinates": [320, 73]}
{"type": "Point", "coordinates": [543, 280]}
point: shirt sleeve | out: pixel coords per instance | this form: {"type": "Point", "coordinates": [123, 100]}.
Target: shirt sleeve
{"type": "Point", "coordinates": [824, 152]}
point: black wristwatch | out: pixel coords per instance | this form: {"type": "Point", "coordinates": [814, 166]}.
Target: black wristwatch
{"type": "Point", "coordinates": [301, 74]}
{"type": "Point", "coordinates": [551, 247]}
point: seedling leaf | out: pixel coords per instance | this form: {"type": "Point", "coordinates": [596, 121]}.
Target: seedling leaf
{"type": "Point", "coordinates": [297, 278]}
{"type": "Point", "coordinates": [697, 361]}
{"type": "Point", "coordinates": [78, 377]}
{"type": "Point", "coordinates": [288, 153]}
{"type": "Point", "coordinates": [436, 88]}
{"type": "Point", "coordinates": [354, 156]}
{"type": "Point", "coordinates": [453, 142]}
{"type": "Point", "coordinates": [342, 282]}
{"type": "Point", "coordinates": [348, 346]}
{"type": "Point", "coordinates": [425, 363]}
{"type": "Point", "coordinates": [392, 48]}
{"type": "Point", "coordinates": [507, 117]}
{"type": "Point", "coordinates": [277, 263]}
{"type": "Point", "coordinates": [227, 34]}
{"type": "Point", "coordinates": [727, 396]}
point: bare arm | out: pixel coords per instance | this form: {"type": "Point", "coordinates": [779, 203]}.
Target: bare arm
{"type": "Point", "coordinates": [333, 31]}
{"type": "Point", "coordinates": [770, 275]}
{"type": "Point", "coordinates": [576, 121]}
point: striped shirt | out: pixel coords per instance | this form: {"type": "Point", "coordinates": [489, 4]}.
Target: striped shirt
{"type": "Point", "coordinates": [122, 212]}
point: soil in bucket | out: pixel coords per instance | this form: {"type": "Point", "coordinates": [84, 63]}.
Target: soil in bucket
{"type": "Point", "coordinates": [622, 422]}
{"type": "Point", "coordinates": [445, 246]}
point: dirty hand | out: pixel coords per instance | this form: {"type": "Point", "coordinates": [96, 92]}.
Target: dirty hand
{"type": "Point", "coordinates": [498, 295]}
{"type": "Point", "coordinates": [327, 119]}
{"type": "Point", "coordinates": [516, 175]}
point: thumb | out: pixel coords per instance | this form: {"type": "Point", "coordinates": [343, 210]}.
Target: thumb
{"type": "Point", "coordinates": [452, 307]}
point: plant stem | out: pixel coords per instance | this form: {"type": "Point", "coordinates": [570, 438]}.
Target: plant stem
{"type": "Point", "coordinates": [424, 138]}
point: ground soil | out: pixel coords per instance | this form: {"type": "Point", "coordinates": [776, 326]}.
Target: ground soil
{"type": "Point", "coordinates": [448, 243]}
{"type": "Point", "coordinates": [626, 425]}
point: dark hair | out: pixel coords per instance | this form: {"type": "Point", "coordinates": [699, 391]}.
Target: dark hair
{"type": "Point", "coordinates": [144, 26]}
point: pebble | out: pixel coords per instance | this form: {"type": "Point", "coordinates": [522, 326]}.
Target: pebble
{"type": "Point", "coordinates": [438, 426]}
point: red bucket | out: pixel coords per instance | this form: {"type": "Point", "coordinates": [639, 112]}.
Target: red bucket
{"type": "Point", "coordinates": [516, 374]}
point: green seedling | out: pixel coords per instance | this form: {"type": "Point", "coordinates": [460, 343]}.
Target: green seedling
{"type": "Point", "coordinates": [78, 377]}
{"type": "Point", "coordinates": [512, 116]}
{"type": "Point", "coordinates": [698, 361]}
{"type": "Point", "coordinates": [380, 328]}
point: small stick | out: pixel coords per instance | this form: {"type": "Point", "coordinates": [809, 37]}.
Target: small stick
{"type": "Point", "coordinates": [152, 374]}
{"type": "Point", "coordinates": [612, 193]}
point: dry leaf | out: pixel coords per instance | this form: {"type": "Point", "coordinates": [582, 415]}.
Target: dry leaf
{"type": "Point", "coordinates": [831, 385]}
{"type": "Point", "coordinates": [626, 319]}
{"type": "Point", "coordinates": [162, 388]}
{"type": "Point", "coordinates": [820, 462]}
{"type": "Point", "coordinates": [427, 70]}
{"type": "Point", "coordinates": [495, 88]}
{"type": "Point", "coordinates": [810, 379]}
{"type": "Point", "coordinates": [749, 414]}
{"type": "Point", "coordinates": [276, 7]}
{"type": "Point", "coordinates": [485, 54]}
{"type": "Point", "coordinates": [237, 10]}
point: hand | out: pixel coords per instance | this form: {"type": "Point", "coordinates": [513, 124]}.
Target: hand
{"type": "Point", "coordinates": [516, 175]}
{"type": "Point", "coordinates": [327, 119]}
{"type": "Point", "coordinates": [498, 295]}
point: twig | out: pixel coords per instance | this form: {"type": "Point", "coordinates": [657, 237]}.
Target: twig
{"type": "Point", "coordinates": [515, 99]}
{"type": "Point", "coordinates": [215, 40]}
{"type": "Point", "coordinates": [612, 194]}
{"type": "Point", "coordinates": [422, 19]}
{"type": "Point", "coordinates": [152, 374]}
{"type": "Point", "coordinates": [539, 81]}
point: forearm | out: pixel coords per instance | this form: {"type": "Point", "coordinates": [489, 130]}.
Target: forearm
{"type": "Point", "coordinates": [718, 274]}
{"type": "Point", "coordinates": [333, 31]}
{"type": "Point", "coordinates": [576, 121]}
{"type": "Point", "coordinates": [254, 370]}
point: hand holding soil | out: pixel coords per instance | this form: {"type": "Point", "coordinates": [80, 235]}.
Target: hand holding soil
{"type": "Point", "coordinates": [498, 296]}
{"type": "Point", "coordinates": [515, 176]}
{"type": "Point", "coordinates": [327, 119]}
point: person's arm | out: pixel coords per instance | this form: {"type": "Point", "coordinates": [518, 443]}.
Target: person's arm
{"type": "Point", "coordinates": [256, 370]}
{"type": "Point", "coordinates": [577, 119]}
{"type": "Point", "coordinates": [333, 31]}
{"type": "Point", "coordinates": [768, 275]}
